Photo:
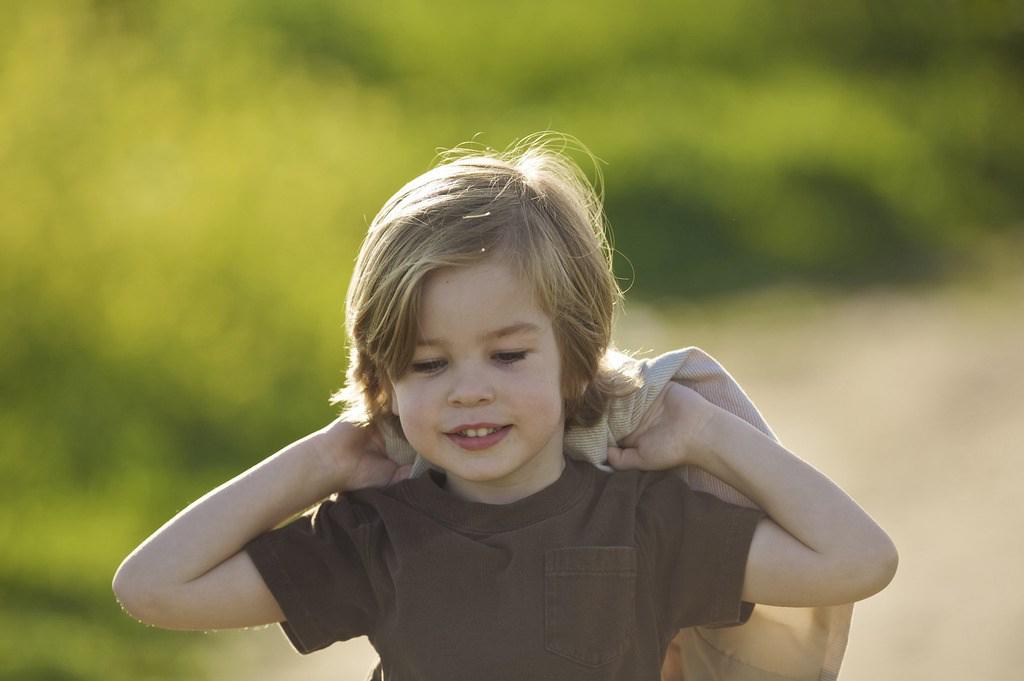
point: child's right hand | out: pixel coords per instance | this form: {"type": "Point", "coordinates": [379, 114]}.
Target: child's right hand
{"type": "Point", "coordinates": [194, 572]}
{"type": "Point", "coordinates": [357, 456]}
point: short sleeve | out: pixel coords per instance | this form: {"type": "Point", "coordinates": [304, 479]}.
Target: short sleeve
{"type": "Point", "coordinates": [697, 546]}
{"type": "Point", "coordinates": [317, 570]}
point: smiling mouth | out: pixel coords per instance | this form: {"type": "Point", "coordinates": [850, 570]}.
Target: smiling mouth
{"type": "Point", "coordinates": [476, 432]}
{"type": "Point", "coordinates": [479, 438]}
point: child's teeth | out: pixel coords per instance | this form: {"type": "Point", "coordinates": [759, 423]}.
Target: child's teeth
{"type": "Point", "coordinates": [478, 432]}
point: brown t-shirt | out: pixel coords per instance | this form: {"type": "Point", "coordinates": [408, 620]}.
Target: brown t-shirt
{"type": "Point", "coordinates": [589, 578]}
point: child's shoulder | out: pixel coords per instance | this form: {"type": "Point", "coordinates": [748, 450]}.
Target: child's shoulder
{"type": "Point", "coordinates": [369, 505]}
{"type": "Point", "coordinates": [376, 498]}
{"type": "Point", "coordinates": [640, 484]}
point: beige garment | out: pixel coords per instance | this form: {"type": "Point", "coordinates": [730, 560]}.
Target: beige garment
{"type": "Point", "coordinates": [795, 644]}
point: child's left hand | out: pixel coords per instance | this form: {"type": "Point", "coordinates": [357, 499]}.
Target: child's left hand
{"type": "Point", "coordinates": [666, 434]}
{"type": "Point", "coordinates": [815, 547]}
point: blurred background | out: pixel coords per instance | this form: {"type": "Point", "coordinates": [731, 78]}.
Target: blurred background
{"type": "Point", "coordinates": [829, 199]}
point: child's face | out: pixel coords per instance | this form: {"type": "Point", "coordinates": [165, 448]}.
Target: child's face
{"type": "Point", "coordinates": [487, 362]}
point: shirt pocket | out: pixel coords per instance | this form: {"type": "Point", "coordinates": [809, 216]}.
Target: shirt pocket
{"type": "Point", "coordinates": [590, 602]}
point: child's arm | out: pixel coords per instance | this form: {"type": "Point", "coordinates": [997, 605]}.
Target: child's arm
{"type": "Point", "coordinates": [193, 574]}
{"type": "Point", "coordinates": [818, 547]}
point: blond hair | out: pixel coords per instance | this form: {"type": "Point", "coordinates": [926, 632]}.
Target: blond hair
{"type": "Point", "coordinates": [530, 205]}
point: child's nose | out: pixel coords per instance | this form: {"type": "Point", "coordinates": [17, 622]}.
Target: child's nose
{"type": "Point", "coordinates": [470, 388]}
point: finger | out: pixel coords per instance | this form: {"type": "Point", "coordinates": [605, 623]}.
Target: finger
{"type": "Point", "coordinates": [623, 458]}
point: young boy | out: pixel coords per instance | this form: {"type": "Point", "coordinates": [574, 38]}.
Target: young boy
{"type": "Point", "coordinates": [480, 316]}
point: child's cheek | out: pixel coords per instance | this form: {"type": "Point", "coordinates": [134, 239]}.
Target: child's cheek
{"type": "Point", "coordinates": [423, 407]}
{"type": "Point", "coordinates": [408, 405]}
{"type": "Point", "coordinates": [544, 399]}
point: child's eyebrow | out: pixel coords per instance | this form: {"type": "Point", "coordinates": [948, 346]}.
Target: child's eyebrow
{"type": "Point", "coordinates": [510, 330]}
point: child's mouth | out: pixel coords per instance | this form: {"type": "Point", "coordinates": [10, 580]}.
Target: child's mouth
{"type": "Point", "coordinates": [475, 439]}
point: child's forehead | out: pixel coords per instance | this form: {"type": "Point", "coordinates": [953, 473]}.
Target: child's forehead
{"type": "Point", "coordinates": [513, 330]}
{"type": "Point", "coordinates": [491, 282]}
{"type": "Point", "coordinates": [486, 301]}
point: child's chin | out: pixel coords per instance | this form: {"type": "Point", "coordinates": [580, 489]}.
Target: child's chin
{"type": "Point", "coordinates": [481, 473]}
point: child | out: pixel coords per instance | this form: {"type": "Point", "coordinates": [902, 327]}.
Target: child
{"type": "Point", "coordinates": [479, 317]}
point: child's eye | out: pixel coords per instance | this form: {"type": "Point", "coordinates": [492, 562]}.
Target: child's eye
{"type": "Point", "coordinates": [510, 357]}
{"type": "Point", "coordinates": [429, 366]}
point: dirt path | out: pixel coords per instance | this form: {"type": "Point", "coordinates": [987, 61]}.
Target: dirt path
{"type": "Point", "coordinates": [914, 403]}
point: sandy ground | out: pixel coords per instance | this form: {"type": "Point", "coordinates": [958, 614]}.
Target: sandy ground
{"type": "Point", "coordinates": [914, 403]}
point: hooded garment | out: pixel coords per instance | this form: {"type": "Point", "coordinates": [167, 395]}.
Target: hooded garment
{"type": "Point", "coordinates": [776, 643]}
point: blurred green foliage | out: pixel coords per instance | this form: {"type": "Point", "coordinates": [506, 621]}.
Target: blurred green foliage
{"type": "Point", "coordinates": [183, 186]}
